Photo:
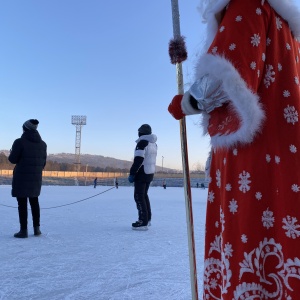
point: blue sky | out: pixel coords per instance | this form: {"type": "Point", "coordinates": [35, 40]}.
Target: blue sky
{"type": "Point", "coordinates": [107, 60]}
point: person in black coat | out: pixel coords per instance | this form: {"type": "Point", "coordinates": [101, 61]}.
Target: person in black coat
{"type": "Point", "coordinates": [29, 154]}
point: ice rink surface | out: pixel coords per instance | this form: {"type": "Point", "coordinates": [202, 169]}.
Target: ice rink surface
{"type": "Point", "coordinates": [88, 250]}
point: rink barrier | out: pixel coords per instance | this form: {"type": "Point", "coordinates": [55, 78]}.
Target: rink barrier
{"type": "Point", "coordinates": [106, 179]}
{"type": "Point", "coordinates": [73, 174]}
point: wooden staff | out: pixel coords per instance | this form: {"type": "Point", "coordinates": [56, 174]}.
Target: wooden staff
{"type": "Point", "coordinates": [178, 54]}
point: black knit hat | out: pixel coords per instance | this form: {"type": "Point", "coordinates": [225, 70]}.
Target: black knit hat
{"type": "Point", "coordinates": [145, 129]}
{"type": "Point", "coordinates": [31, 124]}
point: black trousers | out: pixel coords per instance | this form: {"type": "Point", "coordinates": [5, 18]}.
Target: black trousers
{"type": "Point", "coordinates": [142, 200]}
{"type": "Point", "coordinates": [23, 213]}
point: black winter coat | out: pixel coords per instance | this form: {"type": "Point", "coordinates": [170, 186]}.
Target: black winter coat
{"type": "Point", "coordinates": [29, 153]}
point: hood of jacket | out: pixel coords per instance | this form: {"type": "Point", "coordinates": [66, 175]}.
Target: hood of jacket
{"type": "Point", "coordinates": [151, 138]}
{"type": "Point", "coordinates": [32, 136]}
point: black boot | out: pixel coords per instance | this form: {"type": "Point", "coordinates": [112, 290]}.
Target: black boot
{"type": "Point", "coordinates": [23, 233]}
{"type": "Point", "coordinates": [37, 230]}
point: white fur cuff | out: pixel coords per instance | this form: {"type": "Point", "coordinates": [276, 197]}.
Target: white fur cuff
{"type": "Point", "coordinates": [186, 107]}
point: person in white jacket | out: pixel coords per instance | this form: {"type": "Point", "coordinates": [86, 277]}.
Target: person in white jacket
{"type": "Point", "coordinates": [142, 173]}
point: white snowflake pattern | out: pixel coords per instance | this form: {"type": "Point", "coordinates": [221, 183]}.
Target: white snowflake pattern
{"type": "Point", "coordinates": [296, 78]}
{"type": "Point", "coordinates": [258, 11]}
{"type": "Point", "coordinates": [214, 50]}
{"type": "Point", "coordinates": [211, 196]}
{"type": "Point", "coordinates": [217, 224]}
{"type": "Point", "coordinates": [253, 65]}
{"type": "Point", "coordinates": [244, 182]}
{"type": "Point", "coordinates": [218, 178]}
{"type": "Point", "coordinates": [258, 195]}
{"type": "Point", "coordinates": [256, 263]}
{"type": "Point", "coordinates": [293, 148]}
{"type": "Point", "coordinates": [279, 67]}
{"type": "Point", "coordinates": [277, 159]}
{"type": "Point", "coordinates": [244, 238]}
{"type": "Point", "coordinates": [255, 40]}
{"type": "Point", "coordinates": [291, 115]}
{"type": "Point", "coordinates": [224, 161]}
{"type": "Point", "coordinates": [288, 46]}
{"type": "Point", "coordinates": [228, 250]}
{"type": "Point", "coordinates": [228, 187]}
{"type": "Point", "coordinates": [268, 219]}
{"type": "Point", "coordinates": [232, 47]}
{"type": "Point", "coordinates": [263, 57]}
{"type": "Point", "coordinates": [233, 206]}
{"type": "Point", "coordinates": [286, 93]}
{"type": "Point", "coordinates": [213, 283]}
{"type": "Point", "coordinates": [297, 59]}
{"type": "Point", "coordinates": [222, 28]}
{"type": "Point", "coordinates": [296, 188]}
{"type": "Point", "coordinates": [291, 227]}
{"type": "Point", "coordinates": [238, 18]}
{"type": "Point", "coordinates": [268, 158]}
{"type": "Point", "coordinates": [235, 152]}
{"type": "Point", "coordinates": [278, 23]}
{"type": "Point", "coordinates": [258, 73]}
{"type": "Point", "coordinates": [222, 219]}
{"type": "Point", "coordinates": [268, 41]}
{"type": "Point", "coordinates": [269, 76]}
{"type": "Point", "coordinates": [215, 245]}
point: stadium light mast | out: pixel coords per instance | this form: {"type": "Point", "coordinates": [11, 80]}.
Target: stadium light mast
{"type": "Point", "coordinates": [78, 121]}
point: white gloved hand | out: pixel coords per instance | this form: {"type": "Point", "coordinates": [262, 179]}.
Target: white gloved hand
{"type": "Point", "coordinates": [208, 92]}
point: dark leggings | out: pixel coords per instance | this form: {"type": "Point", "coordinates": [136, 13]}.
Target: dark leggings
{"type": "Point", "coordinates": [23, 214]}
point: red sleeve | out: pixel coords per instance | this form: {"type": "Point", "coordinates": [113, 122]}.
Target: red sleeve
{"type": "Point", "coordinates": [242, 39]}
{"type": "Point", "coordinates": [237, 57]}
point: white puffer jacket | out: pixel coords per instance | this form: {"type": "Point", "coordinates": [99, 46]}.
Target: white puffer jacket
{"type": "Point", "coordinates": [149, 152]}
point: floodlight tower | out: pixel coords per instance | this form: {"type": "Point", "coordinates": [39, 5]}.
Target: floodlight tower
{"type": "Point", "coordinates": [78, 121]}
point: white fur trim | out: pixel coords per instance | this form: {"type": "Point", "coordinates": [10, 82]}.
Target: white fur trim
{"type": "Point", "coordinates": [186, 107]}
{"type": "Point", "coordinates": [209, 10]}
{"type": "Point", "coordinates": [211, 7]}
{"type": "Point", "coordinates": [244, 102]}
{"type": "Point", "coordinates": [290, 12]}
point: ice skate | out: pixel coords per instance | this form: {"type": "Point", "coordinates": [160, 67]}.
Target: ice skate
{"type": "Point", "coordinates": [139, 225]}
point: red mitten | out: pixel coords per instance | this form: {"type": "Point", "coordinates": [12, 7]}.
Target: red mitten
{"type": "Point", "coordinates": [175, 107]}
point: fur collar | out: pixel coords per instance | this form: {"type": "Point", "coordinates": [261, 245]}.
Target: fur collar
{"type": "Point", "coordinates": [287, 9]}
{"type": "Point", "coordinates": [290, 12]}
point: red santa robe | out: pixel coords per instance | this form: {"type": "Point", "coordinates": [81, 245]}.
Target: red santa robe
{"type": "Point", "coordinates": [252, 241]}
